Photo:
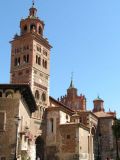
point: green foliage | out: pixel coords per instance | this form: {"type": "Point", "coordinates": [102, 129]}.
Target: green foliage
{"type": "Point", "coordinates": [116, 128]}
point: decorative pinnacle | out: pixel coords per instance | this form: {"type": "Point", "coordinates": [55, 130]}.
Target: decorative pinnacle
{"type": "Point", "coordinates": [33, 3]}
{"type": "Point", "coordinates": [71, 84]}
{"type": "Point", "coordinates": [72, 76]}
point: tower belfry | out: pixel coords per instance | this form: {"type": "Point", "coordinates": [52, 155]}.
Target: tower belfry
{"type": "Point", "coordinates": [30, 59]}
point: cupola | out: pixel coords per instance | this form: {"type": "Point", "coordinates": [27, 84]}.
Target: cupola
{"type": "Point", "coordinates": [98, 105]}
{"type": "Point", "coordinates": [32, 23]}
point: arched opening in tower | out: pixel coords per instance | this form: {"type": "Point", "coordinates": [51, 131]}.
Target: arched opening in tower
{"type": "Point", "coordinates": [33, 27]}
{"type": "Point", "coordinates": [39, 148]}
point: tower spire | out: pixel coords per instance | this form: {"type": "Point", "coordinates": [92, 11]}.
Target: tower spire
{"type": "Point", "coordinates": [33, 10]}
{"type": "Point", "coordinates": [33, 3]}
{"type": "Point", "coordinates": [71, 84]}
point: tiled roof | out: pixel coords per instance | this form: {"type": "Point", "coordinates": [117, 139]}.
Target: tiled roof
{"type": "Point", "coordinates": [103, 114]}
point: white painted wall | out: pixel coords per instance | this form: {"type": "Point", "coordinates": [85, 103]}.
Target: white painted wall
{"type": "Point", "coordinates": [83, 143]}
{"type": "Point", "coordinates": [63, 119]}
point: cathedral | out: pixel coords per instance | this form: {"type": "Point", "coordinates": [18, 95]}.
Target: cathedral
{"type": "Point", "coordinates": [34, 125]}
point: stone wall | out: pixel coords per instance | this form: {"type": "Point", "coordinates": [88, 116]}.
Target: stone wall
{"type": "Point", "coordinates": [8, 136]}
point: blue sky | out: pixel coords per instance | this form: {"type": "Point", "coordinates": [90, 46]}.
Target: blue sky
{"type": "Point", "coordinates": [85, 35]}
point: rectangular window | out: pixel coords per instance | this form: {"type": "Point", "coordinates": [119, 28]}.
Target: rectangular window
{"type": "Point", "coordinates": [68, 136]}
{"type": "Point", "coordinates": [51, 123]}
{"type": "Point", "coordinates": [2, 120]}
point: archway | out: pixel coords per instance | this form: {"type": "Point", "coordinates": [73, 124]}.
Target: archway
{"type": "Point", "coordinates": [39, 148]}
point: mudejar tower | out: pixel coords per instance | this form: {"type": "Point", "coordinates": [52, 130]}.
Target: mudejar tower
{"type": "Point", "coordinates": [30, 57]}
{"type": "Point", "coordinates": [30, 63]}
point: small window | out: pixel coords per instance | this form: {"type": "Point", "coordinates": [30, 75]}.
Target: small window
{"type": "Point", "coordinates": [51, 124]}
{"type": "Point", "coordinates": [2, 121]}
{"type": "Point", "coordinates": [45, 52]}
{"type": "Point", "coordinates": [43, 97]}
{"type": "Point", "coordinates": [45, 64]}
{"type": "Point", "coordinates": [32, 27]}
{"type": "Point", "coordinates": [24, 59]}
{"type": "Point", "coordinates": [0, 94]}
{"type": "Point", "coordinates": [39, 61]}
{"type": "Point", "coordinates": [37, 94]}
{"type": "Point", "coordinates": [38, 49]}
{"type": "Point", "coordinates": [36, 59]}
{"type": "Point", "coordinates": [18, 61]}
{"type": "Point", "coordinates": [68, 136]}
{"type": "Point", "coordinates": [40, 30]}
{"type": "Point", "coordinates": [33, 13]}
{"type": "Point", "coordinates": [25, 28]}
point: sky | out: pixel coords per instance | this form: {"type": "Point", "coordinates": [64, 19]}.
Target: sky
{"type": "Point", "coordinates": [85, 35]}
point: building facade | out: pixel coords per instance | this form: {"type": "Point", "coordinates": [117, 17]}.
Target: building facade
{"type": "Point", "coordinates": [45, 128]}
{"type": "Point", "coordinates": [30, 63]}
{"type": "Point", "coordinates": [16, 107]}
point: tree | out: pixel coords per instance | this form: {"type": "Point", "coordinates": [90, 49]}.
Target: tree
{"type": "Point", "coordinates": [116, 132]}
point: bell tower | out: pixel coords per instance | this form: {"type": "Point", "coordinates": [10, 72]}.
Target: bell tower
{"type": "Point", "coordinates": [30, 59]}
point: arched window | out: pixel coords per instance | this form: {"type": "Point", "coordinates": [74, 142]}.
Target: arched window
{"type": "Point", "coordinates": [40, 30]}
{"type": "Point", "coordinates": [33, 12]}
{"type": "Point", "coordinates": [18, 61]}
{"type": "Point", "coordinates": [25, 28]}
{"type": "Point", "coordinates": [45, 63]}
{"type": "Point", "coordinates": [93, 130]}
{"type": "Point", "coordinates": [39, 148]}
{"type": "Point", "coordinates": [36, 59]}
{"type": "Point", "coordinates": [9, 94]}
{"type": "Point", "coordinates": [43, 97]}
{"type": "Point", "coordinates": [24, 59]}
{"type": "Point", "coordinates": [39, 61]}
{"type": "Point", "coordinates": [37, 94]}
{"type": "Point", "coordinates": [32, 27]}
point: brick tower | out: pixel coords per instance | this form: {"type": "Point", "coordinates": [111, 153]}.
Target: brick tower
{"type": "Point", "coordinates": [30, 58]}
{"type": "Point", "coordinates": [98, 105]}
{"type": "Point", "coordinates": [72, 99]}
{"type": "Point", "coordinates": [30, 63]}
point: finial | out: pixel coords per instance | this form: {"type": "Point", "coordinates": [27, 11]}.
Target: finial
{"type": "Point", "coordinates": [71, 84]}
{"type": "Point", "coordinates": [71, 76]}
{"type": "Point", "coordinates": [33, 3]}
{"type": "Point", "coordinates": [98, 96]}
